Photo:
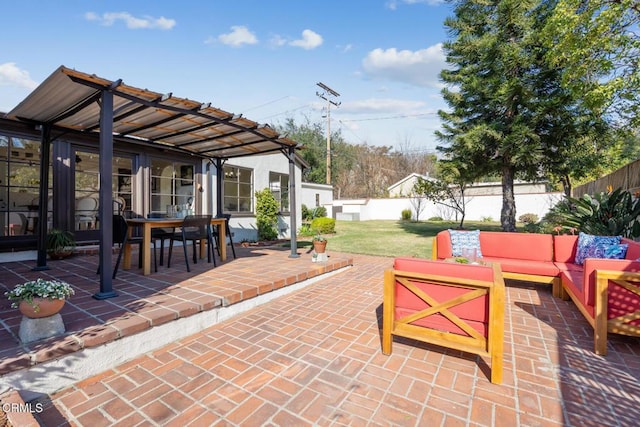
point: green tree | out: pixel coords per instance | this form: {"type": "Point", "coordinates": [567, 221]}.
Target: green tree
{"type": "Point", "coordinates": [449, 190]}
{"type": "Point", "coordinates": [597, 43]}
{"type": "Point", "coordinates": [509, 115]}
{"type": "Point", "coordinates": [313, 138]}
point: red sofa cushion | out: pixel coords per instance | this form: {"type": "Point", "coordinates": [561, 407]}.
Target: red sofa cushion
{"type": "Point", "coordinates": [633, 251]}
{"type": "Point", "coordinates": [521, 246]}
{"type": "Point", "coordinates": [443, 242]}
{"type": "Point", "coordinates": [564, 248]}
{"type": "Point", "coordinates": [593, 264]}
{"type": "Point", "coordinates": [538, 268]}
{"type": "Point", "coordinates": [474, 312]}
{"type": "Point", "coordinates": [573, 280]}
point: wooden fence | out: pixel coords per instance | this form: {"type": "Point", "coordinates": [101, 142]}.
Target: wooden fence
{"type": "Point", "coordinates": [627, 177]}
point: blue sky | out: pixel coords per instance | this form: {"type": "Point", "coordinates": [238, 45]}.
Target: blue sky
{"type": "Point", "coordinates": [259, 58]}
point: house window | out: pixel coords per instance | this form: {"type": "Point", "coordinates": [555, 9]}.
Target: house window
{"type": "Point", "coordinates": [171, 184]}
{"type": "Point", "coordinates": [238, 190]}
{"type": "Point", "coordinates": [20, 186]}
{"type": "Point", "coordinates": [279, 186]}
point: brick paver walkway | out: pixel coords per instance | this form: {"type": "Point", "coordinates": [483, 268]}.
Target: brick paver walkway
{"type": "Point", "coordinates": [313, 358]}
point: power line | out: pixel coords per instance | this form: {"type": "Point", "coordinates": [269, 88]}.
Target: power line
{"type": "Point", "coordinates": [404, 116]}
{"type": "Point", "coordinates": [266, 103]}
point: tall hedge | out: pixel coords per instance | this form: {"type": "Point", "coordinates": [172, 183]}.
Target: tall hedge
{"type": "Point", "coordinates": [267, 210]}
{"type": "Point", "coordinates": [324, 225]}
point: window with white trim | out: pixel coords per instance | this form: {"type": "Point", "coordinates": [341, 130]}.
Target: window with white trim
{"type": "Point", "coordinates": [279, 186]}
{"type": "Point", "coordinates": [238, 190]}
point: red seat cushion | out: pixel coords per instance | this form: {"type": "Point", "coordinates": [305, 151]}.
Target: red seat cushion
{"type": "Point", "coordinates": [539, 268]}
{"type": "Point", "coordinates": [474, 312]}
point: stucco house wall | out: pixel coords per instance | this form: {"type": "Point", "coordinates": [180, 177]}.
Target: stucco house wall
{"type": "Point", "coordinates": [313, 195]}
{"type": "Point", "coordinates": [244, 227]}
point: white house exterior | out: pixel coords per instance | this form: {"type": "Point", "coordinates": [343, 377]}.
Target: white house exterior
{"type": "Point", "coordinates": [267, 171]}
{"type": "Point", "coordinates": [315, 195]}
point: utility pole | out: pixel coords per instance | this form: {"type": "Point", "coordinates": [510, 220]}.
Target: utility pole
{"type": "Point", "coordinates": [326, 95]}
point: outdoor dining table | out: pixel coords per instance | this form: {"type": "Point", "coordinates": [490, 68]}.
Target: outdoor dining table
{"type": "Point", "coordinates": [149, 223]}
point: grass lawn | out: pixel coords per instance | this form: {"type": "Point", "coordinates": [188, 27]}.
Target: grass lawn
{"type": "Point", "coordinates": [394, 238]}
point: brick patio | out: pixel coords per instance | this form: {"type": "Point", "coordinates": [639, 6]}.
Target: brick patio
{"type": "Point", "coordinates": [313, 357]}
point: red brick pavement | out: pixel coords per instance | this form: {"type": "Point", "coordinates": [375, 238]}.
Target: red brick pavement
{"type": "Point", "coordinates": [313, 358]}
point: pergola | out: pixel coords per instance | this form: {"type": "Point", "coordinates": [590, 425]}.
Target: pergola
{"type": "Point", "coordinates": [72, 101]}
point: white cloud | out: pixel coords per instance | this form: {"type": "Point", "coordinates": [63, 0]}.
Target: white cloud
{"type": "Point", "coordinates": [420, 68]}
{"type": "Point", "coordinates": [383, 105]}
{"type": "Point", "coordinates": [11, 75]}
{"type": "Point", "coordinates": [277, 41]}
{"type": "Point", "coordinates": [238, 36]}
{"type": "Point", "coordinates": [346, 48]}
{"type": "Point", "coordinates": [310, 40]}
{"type": "Point", "coordinates": [132, 22]}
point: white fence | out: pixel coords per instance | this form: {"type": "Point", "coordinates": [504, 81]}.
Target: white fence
{"type": "Point", "coordinates": [477, 207]}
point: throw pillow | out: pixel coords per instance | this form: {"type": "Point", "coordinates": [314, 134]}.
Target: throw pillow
{"type": "Point", "coordinates": [586, 242]}
{"type": "Point", "coordinates": [465, 239]}
{"type": "Point", "coordinates": [605, 251]}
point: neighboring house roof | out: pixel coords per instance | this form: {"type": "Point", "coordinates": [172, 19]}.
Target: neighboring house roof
{"type": "Point", "coordinates": [407, 178]}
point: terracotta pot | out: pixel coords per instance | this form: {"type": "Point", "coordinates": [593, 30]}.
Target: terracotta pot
{"type": "Point", "coordinates": [319, 247]}
{"type": "Point", "coordinates": [46, 307]}
{"type": "Point", "coordinates": [60, 255]}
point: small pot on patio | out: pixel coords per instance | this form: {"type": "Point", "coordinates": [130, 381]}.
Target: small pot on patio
{"type": "Point", "coordinates": [60, 244]}
{"type": "Point", "coordinates": [39, 298]}
{"type": "Point", "coordinates": [319, 244]}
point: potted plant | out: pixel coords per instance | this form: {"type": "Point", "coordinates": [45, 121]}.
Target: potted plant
{"type": "Point", "coordinates": [319, 243]}
{"type": "Point", "coordinates": [39, 298]}
{"type": "Point", "coordinates": [60, 243]}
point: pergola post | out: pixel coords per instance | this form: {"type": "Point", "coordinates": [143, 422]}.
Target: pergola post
{"type": "Point", "coordinates": [105, 211]}
{"type": "Point", "coordinates": [43, 200]}
{"type": "Point", "coordinates": [219, 186]}
{"type": "Point", "coordinates": [292, 203]}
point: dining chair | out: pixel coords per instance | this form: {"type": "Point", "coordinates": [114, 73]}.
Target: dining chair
{"type": "Point", "coordinates": [161, 234]}
{"type": "Point", "coordinates": [195, 228]}
{"type": "Point", "coordinates": [228, 231]}
{"type": "Point", "coordinates": [120, 235]}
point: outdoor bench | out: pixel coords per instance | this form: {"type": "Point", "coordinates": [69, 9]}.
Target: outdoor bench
{"type": "Point", "coordinates": [522, 256]}
{"type": "Point", "coordinates": [606, 291]}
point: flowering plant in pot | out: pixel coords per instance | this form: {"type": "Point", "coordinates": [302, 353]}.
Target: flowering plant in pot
{"type": "Point", "coordinates": [40, 297]}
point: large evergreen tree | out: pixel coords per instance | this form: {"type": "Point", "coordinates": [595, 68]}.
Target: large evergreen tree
{"type": "Point", "coordinates": [508, 114]}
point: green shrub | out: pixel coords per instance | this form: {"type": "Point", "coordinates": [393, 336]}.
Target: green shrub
{"type": "Point", "coordinates": [324, 225]}
{"type": "Point", "coordinates": [267, 209]}
{"type": "Point", "coordinates": [310, 214]}
{"type": "Point", "coordinates": [435, 218]}
{"type": "Point", "coordinates": [528, 218]}
{"type": "Point", "coordinates": [306, 230]}
{"type": "Point", "coordinates": [486, 219]}
{"type": "Point", "coordinates": [406, 214]}
{"type": "Point", "coordinates": [607, 214]}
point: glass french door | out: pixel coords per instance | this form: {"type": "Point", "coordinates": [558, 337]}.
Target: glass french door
{"type": "Point", "coordinates": [87, 187]}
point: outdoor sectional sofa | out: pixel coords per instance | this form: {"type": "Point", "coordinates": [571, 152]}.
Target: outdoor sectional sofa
{"type": "Point", "coordinates": [606, 291]}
